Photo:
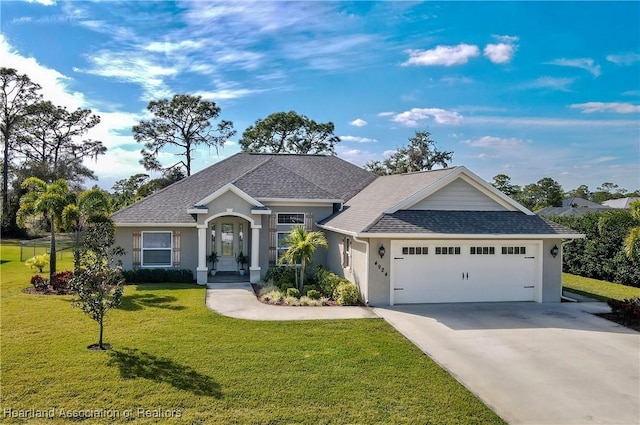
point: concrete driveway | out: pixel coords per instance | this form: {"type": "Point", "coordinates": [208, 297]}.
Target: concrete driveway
{"type": "Point", "coordinates": [532, 363]}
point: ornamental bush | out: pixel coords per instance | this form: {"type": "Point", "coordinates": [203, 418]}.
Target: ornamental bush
{"type": "Point", "coordinates": [158, 276]}
{"type": "Point", "coordinates": [38, 262]}
{"type": "Point", "coordinates": [627, 310]}
{"type": "Point", "coordinates": [327, 281]}
{"type": "Point", "coordinates": [346, 294]}
{"type": "Point", "coordinates": [39, 283]}
{"type": "Point", "coordinates": [293, 292]}
{"type": "Point", "coordinates": [60, 283]}
{"type": "Point", "coordinates": [313, 294]}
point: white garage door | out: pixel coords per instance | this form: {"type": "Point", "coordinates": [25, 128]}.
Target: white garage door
{"type": "Point", "coordinates": [449, 271]}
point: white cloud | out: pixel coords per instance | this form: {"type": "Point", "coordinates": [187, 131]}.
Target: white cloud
{"type": "Point", "coordinates": [357, 139]}
{"type": "Point", "coordinates": [498, 143]}
{"type": "Point", "coordinates": [386, 114]}
{"type": "Point", "coordinates": [43, 2]}
{"type": "Point", "coordinates": [442, 55]}
{"type": "Point", "coordinates": [617, 107]}
{"type": "Point", "coordinates": [602, 159]}
{"type": "Point", "coordinates": [519, 122]}
{"type": "Point", "coordinates": [225, 94]}
{"type": "Point", "coordinates": [635, 93]}
{"type": "Point", "coordinates": [624, 58]}
{"type": "Point", "coordinates": [503, 51]}
{"type": "Point", "coordinates": [412, 117]}
{"type": "Point", "coordinates": [170, 47]}
{"type": "Point", "coordinates": [552, 83]}
{"type": "Point", "coordinates": [54, 84]}
{"type": "Point", "coordinates": [583, 63]}
{"type": "Point", "coordinates": [358, 122]}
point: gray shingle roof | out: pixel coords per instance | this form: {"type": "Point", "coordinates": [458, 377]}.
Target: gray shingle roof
{"type": "Point", "coordinates": [364, 208]}
{"type": "Point", "coordinates": [466, 222]}
{"type": "Point", "coordinates": [260, 176]}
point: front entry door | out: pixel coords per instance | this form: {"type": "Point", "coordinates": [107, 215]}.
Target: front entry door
{"type": "Point", "coordinates": [230, 243]}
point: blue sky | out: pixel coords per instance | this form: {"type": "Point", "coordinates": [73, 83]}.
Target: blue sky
{"type": "Point", "coordinates": [529, 89]}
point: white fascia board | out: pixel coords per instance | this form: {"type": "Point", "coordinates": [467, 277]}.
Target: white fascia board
{"type": "Point", "coordinates": [469, 177]}
{"type": "Point", "coordinates": [155, 224]}
{"type": "Point", "coordinates": [341, 231]}
{"type": "Point", "coordinates": [258, 212]}
{"type": "Point", "coordinates": [465, 236]}
{"type": "Point", "coordinates": [230, 187]}
{"type": "Point", "coordinates": [289, 202]}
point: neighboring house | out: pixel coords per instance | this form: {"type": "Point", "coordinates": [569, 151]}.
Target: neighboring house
{"type": "Point", "coordinates": [433, 236]}
{"type": "Point", "coordinates": [573, 207]}
{"type": "Point", "coordinates": [622, 203]}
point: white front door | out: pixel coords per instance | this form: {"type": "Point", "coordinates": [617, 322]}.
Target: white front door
{"type": "Point", "coordinates": [230, 242]}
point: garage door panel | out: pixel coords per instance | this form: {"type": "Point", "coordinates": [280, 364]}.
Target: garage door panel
{"type": "Point", "coordinates": [463, 277]}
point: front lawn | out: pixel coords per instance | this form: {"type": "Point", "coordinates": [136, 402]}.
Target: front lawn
{"type": "Point", "coordinates": [598, 289]}
{"type": "Point", "coordinates": [176, 360]}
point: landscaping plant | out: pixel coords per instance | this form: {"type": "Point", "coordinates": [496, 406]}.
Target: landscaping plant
{"type": "Point", "coordinates": [38, 262]}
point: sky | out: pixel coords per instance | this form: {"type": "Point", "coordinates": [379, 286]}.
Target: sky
{"type": "Point", "coordinates": [527, 89]}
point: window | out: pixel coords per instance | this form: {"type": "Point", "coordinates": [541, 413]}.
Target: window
{"type": "Point", "coordinates": [482, 250]}
{"type": "Point", "coordinates": [415, 250]}
{"type": "Point", "coordinates": [156, 249]}
{"type": "Point", "coordinates": [281, 247]}
{"type": "Point", "coordinates": [514, 250]}
{"type": "Point", "coordinates": [347, 252]}
{"type": "Point", "coordinates": [447, 250]}
{"type": "Point", "coordinates": [291, 218]}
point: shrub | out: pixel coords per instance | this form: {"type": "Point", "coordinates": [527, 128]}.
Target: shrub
{"type": "Point", "coordinates": [327, 281]}
{"type": "Point", "coordinates": [346, 293]}
{"type": "Point", "coordinates": [60, 283]}
{"type": "Point", "coordinates": [627, 310]}
{"type": "Point", "coordinates": [286, 285]}
{"type": "Point", "coordinates": [38, 262]}
{"type": "Point", "coordinates": [158, 276]}
{"type": "Point", "coordinates": [272, 296]}
{"type": "Point", "coordinates": [293, 292]}
{"type": "Point", "coordinates": [293, 301]}
{"type": "Point", "coordinates": [313, 294]}
{"type": "Point", "coordinates": [39, 283]}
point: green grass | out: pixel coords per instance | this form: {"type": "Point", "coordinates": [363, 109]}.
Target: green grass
{"type": "Point", "coordinates": [170, 353]}
{"type": "Point", "coordinates": [598, 289]}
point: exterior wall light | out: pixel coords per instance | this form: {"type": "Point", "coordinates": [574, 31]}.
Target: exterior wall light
{"type": "Point", "coordinates": [554, 251]}
{"type": "Point", "coordinates": [381, 251]}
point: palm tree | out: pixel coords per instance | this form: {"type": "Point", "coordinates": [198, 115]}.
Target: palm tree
{"type": "Point", "coordinates": [48, 200]}
{"type": "Point", "coordinates": [301, 246]}
{"type": "Point", "coordinates": [91, 204]}
{"type": "Point", "coordinates": [632, 241]}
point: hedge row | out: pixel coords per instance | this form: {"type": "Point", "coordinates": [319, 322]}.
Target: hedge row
{"type": "Point", "coordinates": [159, 276]}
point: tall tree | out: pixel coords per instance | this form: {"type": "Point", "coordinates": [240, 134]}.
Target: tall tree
{"type": "Point", "coordinates": [51, 136]}
{"type": "Point", "coordinates": [48, 200]}
{"type": "Point", "coordinates": [502, 182]}
{"type": "Point", "coordinates": [552, 194]}
{"type": "Point", "coordinates": [17, 96]}
{"type": "Point", "coordinates": [421, 154]}
{"type": "Point", "coordinates": [301, 246]}
{"type": "Point", "coordinates": [124, 190]}
{"type": "Point", "coordinates": [183, 122]}
{"type": "Point", "coordinates": [289, 132]}
{"type": "Point", "coordinates": [581, 192]}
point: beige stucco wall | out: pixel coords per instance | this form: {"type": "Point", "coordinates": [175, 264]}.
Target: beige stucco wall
{"type": "Point", "coordinates": [379, 273]}
{"type": "Point", "coordinates": [188, 245]}
{"type": "Point", "coordinates": [551, 272]}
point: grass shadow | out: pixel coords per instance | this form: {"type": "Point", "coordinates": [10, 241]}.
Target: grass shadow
{"type": "Point", "coordinates": [140, 301]}
{"type": "Point", "coordinates": [134, 363]}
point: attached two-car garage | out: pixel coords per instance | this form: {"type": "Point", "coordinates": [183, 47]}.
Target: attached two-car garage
{"type": "Point", "coordinates": [441, 271]}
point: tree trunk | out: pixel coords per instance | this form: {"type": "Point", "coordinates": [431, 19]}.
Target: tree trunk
{"type": "Point", "coordinates": [5, 175]}
{"type": "Point", "coordinates": [76, 251]}
{"type": "Point", "coordinates": [301, 274]}
{"type": "Point", "coordinates": [101, 332]}
{"type": "Point", "coordinates": [52, 252]}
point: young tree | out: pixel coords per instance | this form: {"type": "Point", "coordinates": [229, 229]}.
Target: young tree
{"type": "Point", "coordinates": [300, 246]}
{"type": "Point", "coordinates": [183, 122]}
{"type": "Point", "coordinates": [124, 190]}
{"type": "Point", "coordinates": [98, 285]}
{"type": "Point", "coordinates": [289, 132]}
{"type": "Point", "coordinates": [421, 154]}
{"type": "Point", "coordinates": [48, 200]}
{"type": "Point", "coordinates": [17, 96]}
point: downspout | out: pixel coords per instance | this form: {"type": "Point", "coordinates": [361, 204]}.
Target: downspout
{"type": "Point", "coordinates": [366, 270]}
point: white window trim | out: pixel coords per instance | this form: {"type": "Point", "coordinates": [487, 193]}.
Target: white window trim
{"type": "Point", "coordinates": [304, 219]}
{"type": "Point", "coordinates": [348, 244]}
{"type": "Point", "coordinates": [278, 245]}
{"type": "Point", "coordinates": [142, 249]}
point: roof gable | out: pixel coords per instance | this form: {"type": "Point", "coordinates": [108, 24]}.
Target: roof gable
{"type": "Point", "coordinates": [459, 190]}
{"type": "Point", "coordinates": [229, 187]}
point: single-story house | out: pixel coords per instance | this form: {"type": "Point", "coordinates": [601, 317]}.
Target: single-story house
{"type": "Point", "coordinates": [434, 236]}
{"type": "Point", "coordinates": [573, 207]}
{"type": "Point", "coordinates": [621, 203]}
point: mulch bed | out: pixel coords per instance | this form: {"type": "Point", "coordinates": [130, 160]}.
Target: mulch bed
{"type": "Point", "coordinates": [256, 290]}
{"type": "Point", "coordinates": [614, 318]}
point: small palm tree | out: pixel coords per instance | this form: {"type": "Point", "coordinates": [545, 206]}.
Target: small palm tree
{"type": "Point", "coordinates": [301, 246]}
{"type": "Point", "coordinates": [91, 204]}
{"type": "Point", "coordinates": [632, 241]}
{"type": "Point", "coordinates": [48, 200]}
